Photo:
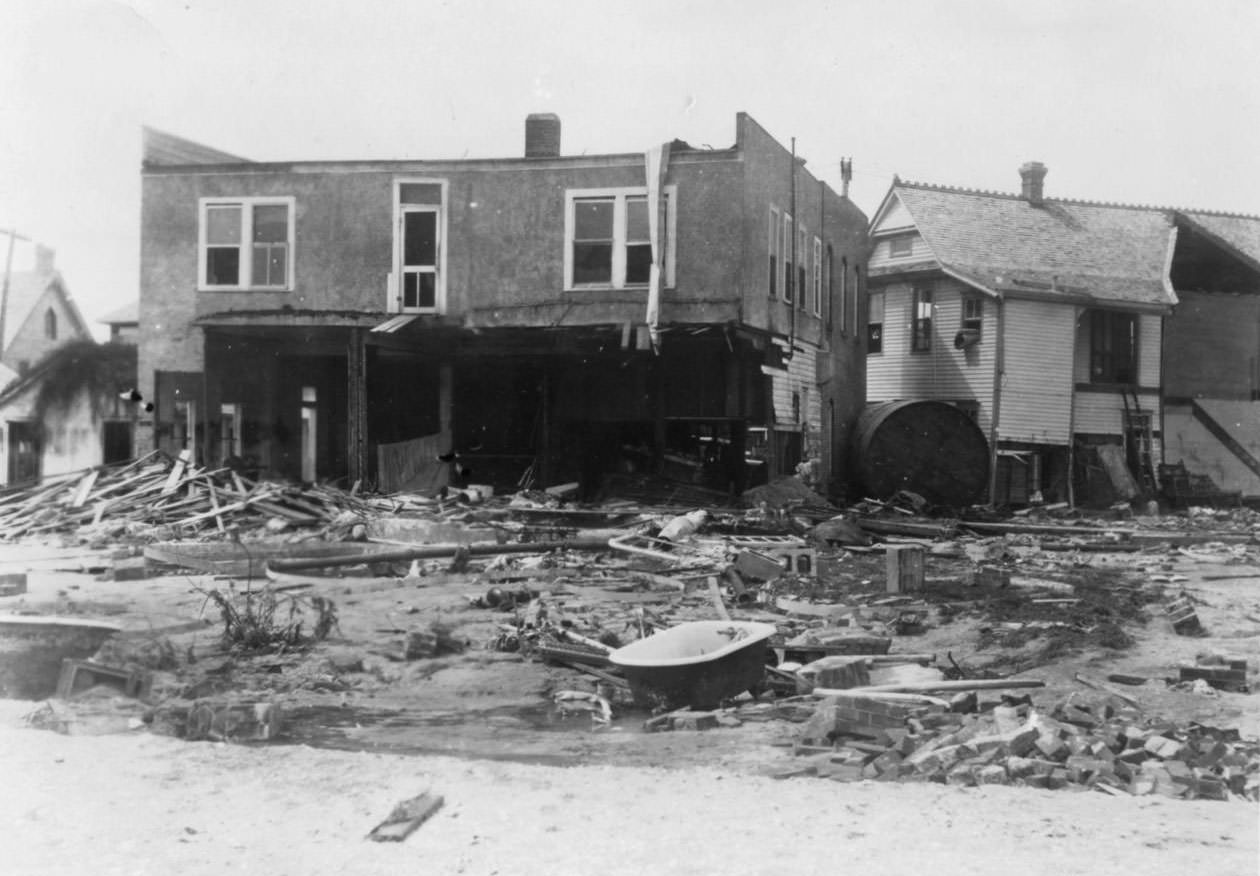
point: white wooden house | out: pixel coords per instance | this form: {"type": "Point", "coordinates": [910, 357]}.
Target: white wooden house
{"type": "Point", "coordinates": [1039, 316]}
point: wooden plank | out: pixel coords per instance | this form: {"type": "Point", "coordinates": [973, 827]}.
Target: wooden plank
{"type": "Point", "coordinates": [85, 487]}
{"type": "Point", "coordinates": [214, 503]}
{"type": "Point", "coordinates": [177, 471]}
{"type": "Point", "coordinates": [406, 818]}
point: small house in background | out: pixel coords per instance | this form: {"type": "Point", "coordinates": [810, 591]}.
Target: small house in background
{"type": "Point", "coordinates": [1041, 318]}
{"type": "Point", "coordinates": [37, 314]}
{"type": "Point", "coordinates": [71, 411]}
{"type": "Point", "coordinates": [124, 324]}
{"type": "Point", "coordinates": [1211, 421]}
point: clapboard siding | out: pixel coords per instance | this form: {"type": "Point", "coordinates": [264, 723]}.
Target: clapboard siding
{"type": "Point", "coordinates": [881, 254]}
{"type": "Point", "coordinates": [1100, 413]}
{"type": "Point", "coordinates": [944, 373]}
{"type": "Point", "coordinates": [1037, 385]}
{"type": "Point", "coordinates": [801, 378]}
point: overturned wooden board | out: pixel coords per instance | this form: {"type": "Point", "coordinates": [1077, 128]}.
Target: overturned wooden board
{"type": "Point", "coordinates": [406, 818]}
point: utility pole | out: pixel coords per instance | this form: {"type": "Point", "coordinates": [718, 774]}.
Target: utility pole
{"type": "Point", "coordinates": [8, 270]}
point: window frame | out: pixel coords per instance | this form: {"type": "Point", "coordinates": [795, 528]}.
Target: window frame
{"type": "Point", "coordinates": [875, 347]}
{"type": "Point", "coordinates": [775, 242]}
{"type": "Point", "coordinates": [788, 292]}
{"type": "Point", "coordinates": [620, 195]}
{"type": "Point", "coordinates": [245, 265]}
{"type": "Point", "coordinates": [818, 272]}
{"type": "Point", "coordinates": [901, 246]}
{"type": "Point", "coordinates": [921, 328]}
{"type": "Point", "coordinates": [1107, 330]}
{"type": "Point", "coordinates": [400, 211]}
{"type": "Point", "coordinates": [973, 322]}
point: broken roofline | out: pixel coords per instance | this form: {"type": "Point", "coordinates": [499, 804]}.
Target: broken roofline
{"type": "Point", "coordinates": [680, 152]}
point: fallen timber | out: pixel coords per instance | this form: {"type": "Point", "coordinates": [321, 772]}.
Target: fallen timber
{"type": "Point", "coordinates": [437, 551]}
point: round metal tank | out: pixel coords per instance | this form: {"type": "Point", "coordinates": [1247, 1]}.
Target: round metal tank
{"type": "Point", "coordinates": [928, 447]}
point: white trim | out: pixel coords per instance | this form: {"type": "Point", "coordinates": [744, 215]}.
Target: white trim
{"type": "Point", "coordinates": [394, 282]}
{"type": "Point", "coordinates": [247, 203]}
{"type": "Point", "coordinates": [619, 196]}
{"type": "Point", "coordinates": [818, 272]}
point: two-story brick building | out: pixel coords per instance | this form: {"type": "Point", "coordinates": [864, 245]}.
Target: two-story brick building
{"type": "Point", "coordinates": [547, 317]}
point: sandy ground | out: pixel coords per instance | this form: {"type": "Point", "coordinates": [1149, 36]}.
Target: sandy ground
{"type": "Point", "coordinates": [135, 803]}
{"type": "Point", "coordinates": [149, 805]}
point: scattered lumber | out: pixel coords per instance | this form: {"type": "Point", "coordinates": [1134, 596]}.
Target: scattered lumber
{"type": "Point", "coordinates": [406, 818]}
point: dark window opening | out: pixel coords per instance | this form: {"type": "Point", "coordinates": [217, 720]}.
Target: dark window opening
{"type": "Point", "coordinates": [592, 241]}
{"type": "Point", "coordinates": [921, 321]}
{"type": "Point", "coordinates": [1112, 347]}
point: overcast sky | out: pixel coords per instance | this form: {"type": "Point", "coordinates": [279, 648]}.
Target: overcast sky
{"type": "Point", "coordinates": [1138, 101]}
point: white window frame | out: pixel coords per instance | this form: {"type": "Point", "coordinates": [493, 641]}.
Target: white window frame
{"type": "Point", "coordinates": [619, 197]}
{"type": "Point", "coordinates": [786, 261]}
{"type": "Point", "coordinates": [394, 287]}
{"type": "Point", "coordinates": [775, 266]}
{"type": "Point", "coordinates": [247, 205]}
{"type": "Point", "coordinates": [818, 272]}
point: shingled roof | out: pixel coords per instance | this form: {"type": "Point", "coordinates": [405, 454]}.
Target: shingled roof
{"type": "Point", "coordinates": [1242, 233]}
{"type": "Point", "coordinates": [1059, 249]}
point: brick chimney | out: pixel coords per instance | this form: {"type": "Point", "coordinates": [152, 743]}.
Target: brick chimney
{"type": "Point", "coordinates": [542, 135]}
{"type": "Point", "coordinates": [44, 259]}
{"type": "Point", "coordinates": [1033, 175]}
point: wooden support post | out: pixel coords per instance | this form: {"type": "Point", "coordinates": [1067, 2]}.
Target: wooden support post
{"type": "Point", "coordinates": [356, 405]}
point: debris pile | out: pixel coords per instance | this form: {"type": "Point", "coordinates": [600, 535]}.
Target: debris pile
{"type": "Point", "coordinates": [1098, 741]}
{"type": "Point", "coordinates": [156, 490]}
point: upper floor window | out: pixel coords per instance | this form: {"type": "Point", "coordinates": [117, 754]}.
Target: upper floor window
{"type": "Point", "coordinates": [608, 241]}
{"type": "Point", "coordinates": [921, 321]}
{"type": "Point", "coordinates": [844, 295]}
{"type": "Point", "coordinates": [50, 324]}
{"type": "Point", "coordinates": [775, 245]}
{"type": "Point", "coordinates": [420, 246]}
{"type": "Point", "coordinates": [829, 281]}
{"type": "Point", "coordinates": [818, 271]}
{"type": "Point", "coordinates": [789, 275]}
{"type": "Point", "coordinates": [875, 322]}
{"type": "Point", "coordinates": [1112, 347]}
{"type": "Point", "coordinates": [972, 313]}
{"type": "Point", "coordinates": [246, 243]}
{"type": "Point", "coordinates": [901, 246]}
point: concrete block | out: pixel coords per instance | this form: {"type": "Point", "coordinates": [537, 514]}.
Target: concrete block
{"type": "Point", "coordinates": [130, 569]}
{"type": "Point", "coordinates": [13, 584]}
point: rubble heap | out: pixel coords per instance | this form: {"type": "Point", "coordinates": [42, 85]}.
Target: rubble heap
{"type": "Point", "coordinates": [1097, 741]}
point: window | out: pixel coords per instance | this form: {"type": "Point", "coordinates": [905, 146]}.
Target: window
{"type": "Point", "coordinates": [1112, 347]}
{"type": "Point", "coordinates": [802, 272]}
{"type": "Point", "coordinates": [844, 296]}
{"type": "Point", "coordinates": [229, 432]}
{"type": "Point", "coordinates": [818, 270]}
{"type": "Point", "coordinates": [608, 240]}
{"type": "Point", "coordinates": [246, 243]}
{"type": "Point", "coordinates": [789, 276]}
{"type": "Point", "coordinates": [50, 324]}
{"type": "Point", "coordinates": [972, 313]}
{"type": "Point", "coordinates": [900, 246]}
{"type": "Point", "coordinates": [875, 323]}
{"type": "Point", "coordinates": [420, 246]}
{"type": "Point", "coordinates": [921, 321]}
{"type": "Point", "coordinates": [775, 257]}
{"type": "Point", "coordinates": [828, 283]}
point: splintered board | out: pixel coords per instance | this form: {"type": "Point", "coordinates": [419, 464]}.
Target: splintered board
{"type": "Point", "coordinates": [406, 818]}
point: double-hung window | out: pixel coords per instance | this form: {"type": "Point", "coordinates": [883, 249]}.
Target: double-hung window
{"type": "Point", "coordinates": [420, 245]}
{"type": "Point", "coordinates": [789, 278]}
{"type": "Point", "coordinates": [818, 273]}
{"type": "Point", "coordinates": [245, 243]}
{"type": "Point", "coordinates": [875, 322]}
{"type": "Point", "coordinates": [921, 321]}
{"type": "Point", "coordinates": [608, 241]}
{"type": "Point", "coordinates": [1112, 347]}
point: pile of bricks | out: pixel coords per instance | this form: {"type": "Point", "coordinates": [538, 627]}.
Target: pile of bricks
{"type": "Point", "coordinates": [1094, 742]}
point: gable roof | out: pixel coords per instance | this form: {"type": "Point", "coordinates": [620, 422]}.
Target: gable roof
{"type": "Point", "coordinates": [26, 288]}
{"type": "Point", "coordinates": [1239, 233]}
{"type": "Point", "coordinates": [1074, 251]}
